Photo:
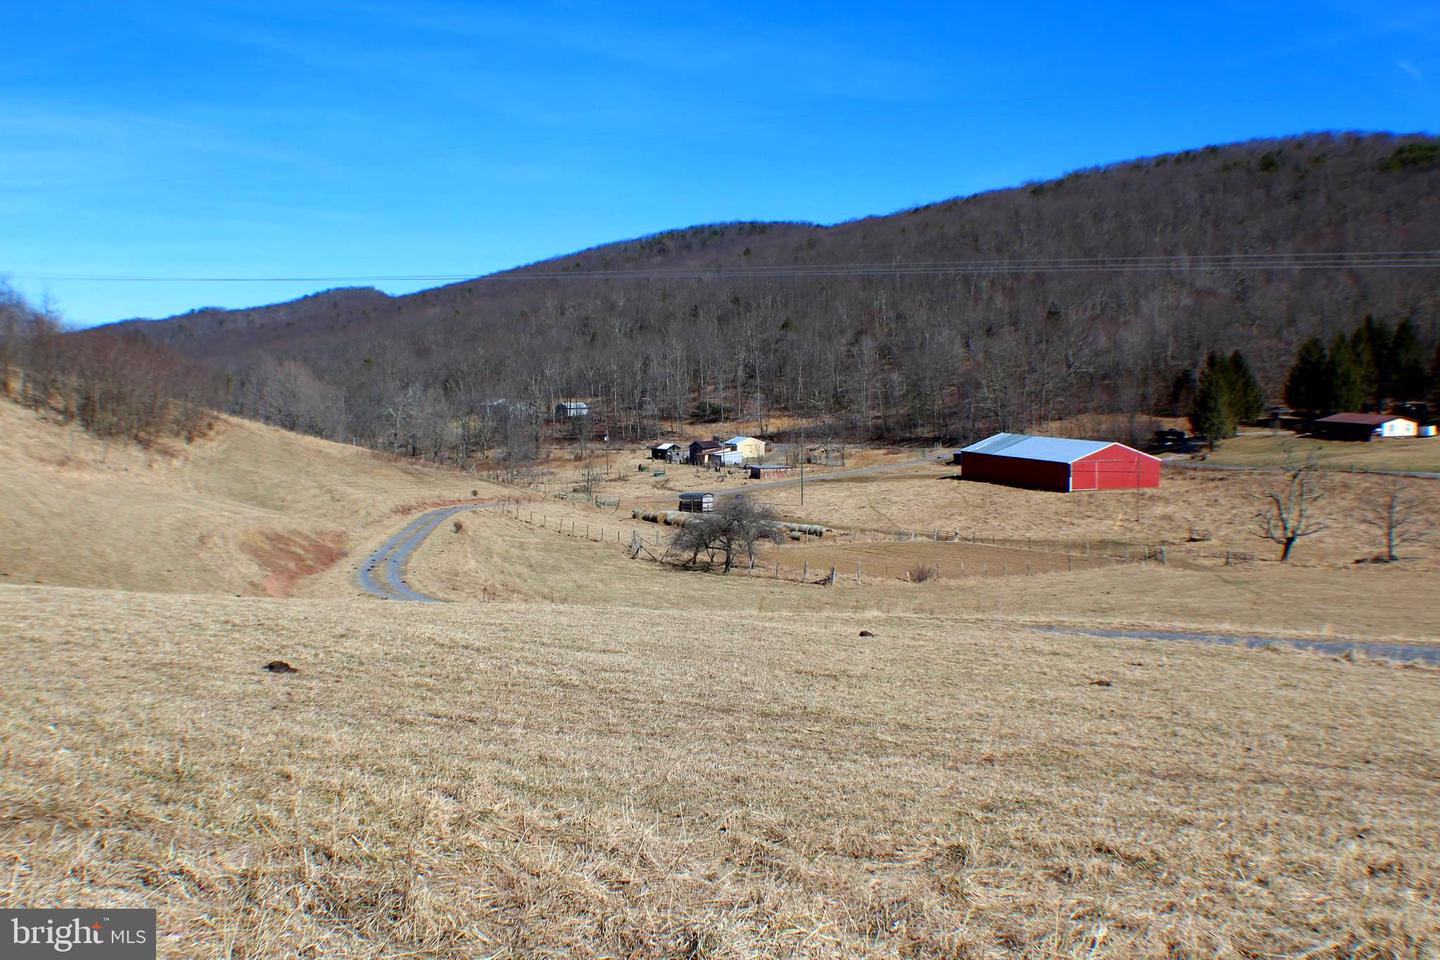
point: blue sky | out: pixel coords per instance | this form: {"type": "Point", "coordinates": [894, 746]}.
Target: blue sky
{"type": "Point", "coordinates": [256, 139]}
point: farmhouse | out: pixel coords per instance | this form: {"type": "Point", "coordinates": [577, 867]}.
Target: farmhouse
{"type": "Point", "coordinates": [571, 408]}
{"type": "Point", "coordinates": [697, 502]}
{"type": "Point", "coordinates": [748, 447]}
{"type": "Point", "coordinates": [1363, 426]}
{"type": "Point", "coordinates": [1053, 463]}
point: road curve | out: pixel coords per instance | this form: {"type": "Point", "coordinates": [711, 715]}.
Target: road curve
{"type": "Point", "coordinates": [382, 574]}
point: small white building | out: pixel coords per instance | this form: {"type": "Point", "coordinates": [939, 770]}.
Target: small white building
{"type": "Point", "coordinates": [749, 447]}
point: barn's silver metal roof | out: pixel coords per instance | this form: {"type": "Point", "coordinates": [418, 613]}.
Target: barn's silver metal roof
{"type": "Point", "coordinates": [1049, 449]}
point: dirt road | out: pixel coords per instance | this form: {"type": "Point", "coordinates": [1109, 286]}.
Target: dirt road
{"type": "Point", "coordinates": [383, 572]}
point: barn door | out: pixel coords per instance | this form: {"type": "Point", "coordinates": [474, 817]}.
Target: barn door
{"type": "Point", "coordinates": [1083, 476]}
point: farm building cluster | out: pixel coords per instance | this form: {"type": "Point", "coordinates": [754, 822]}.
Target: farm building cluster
{"type": "Point", "coordinates": [713, 453]}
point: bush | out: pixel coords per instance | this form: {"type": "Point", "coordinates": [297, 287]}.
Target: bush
{"type": "Point", "coordinates": [920, 572]}
{"type": "Point", "coordinates": [1412, 156]}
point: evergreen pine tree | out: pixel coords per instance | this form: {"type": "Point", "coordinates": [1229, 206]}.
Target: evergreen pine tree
{"type": "Point", "coordinates": [1307, 385]}
{"type": "Point", "coordinates": [1211, 415]}
{"type": "Point", "coordinates": [1243, 393]}
{"type": "Point", "coordinates": [1433, 394]}
{"type": "Point", "coordinates": [1370, 348]}
{"type": "Point", "coordinates": [1408, 376]}
{"type": "Point", "coordinates": [1346, 391]}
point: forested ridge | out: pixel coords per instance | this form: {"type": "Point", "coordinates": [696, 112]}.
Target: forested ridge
{"type": "Point", "coordinates": [947, 355]}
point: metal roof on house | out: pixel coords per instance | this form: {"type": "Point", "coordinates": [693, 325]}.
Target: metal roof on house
{"type": "Point", "coordinates": [1362, 419]}
{"type": "Point", "coordinates": [740, 439]}
{"type": "Point", "coordinates": [708, 444]}
{"type": "Point", "coordinates": [1049, 449]}
{"type": "Point", "coordinates": [664, 446]}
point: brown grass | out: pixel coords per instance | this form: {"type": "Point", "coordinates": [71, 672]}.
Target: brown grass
{"type": "Point", "coordinates": [589, 783]}
{"type": "Point", "coordinates": [79, 511]}
{"type": "Point", "coordinates": [1267, 450]}
{"type": "Point", "coordinates": [924, 499]}
{"type": "Point", "coordinates": [628, 760]}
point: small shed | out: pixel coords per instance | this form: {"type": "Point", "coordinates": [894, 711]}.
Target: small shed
{"type": "Point", "coordinates": [769, 471]}
{"type": "Point", "coordinates": [697, 502]}
{"type": "Point", "coordinates": [749, 447]}
{"type": "Point", "coordinates": [669, 452]}
{"type": "Point", "coordinates": [1363, 426]}
{"type": "Point", "coordinates": [571, 408]}
{"type": "Point", "coordinates": [701, 450]}
{"type": "Point", "coordinates": [1056, 463]}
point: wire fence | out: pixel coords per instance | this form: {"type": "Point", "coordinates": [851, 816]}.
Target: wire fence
{"type": "Point", "coordinates": [872, 559]}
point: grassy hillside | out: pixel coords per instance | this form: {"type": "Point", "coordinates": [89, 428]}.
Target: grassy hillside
{"type": "Point", "coordinates": [948, 354]}
{"type": "Point", "coordinates": [585, 782]}
{"type": "Point", "coordinates": [593, 756]}
{"type": "Point", "coordinates": [246, 509]}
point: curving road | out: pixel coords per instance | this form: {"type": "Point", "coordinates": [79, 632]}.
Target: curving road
{"type": "Point", "coordinates": [383, 572]}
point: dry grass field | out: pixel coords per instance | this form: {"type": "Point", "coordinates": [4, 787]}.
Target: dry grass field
{"type": "Point", "coordinates": [1218, 506]}
{"type": "Point", "coordinates": [473, 782]}
{"type": "Point", "coordinates": [1421, 455]}
{"type": "Point", "coordinates": [587, 755]}
{"type": "Point", "coordinates": [248, 509]}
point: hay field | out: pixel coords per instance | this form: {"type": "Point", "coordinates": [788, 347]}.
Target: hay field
{"type": "Point", "coordinates": [493, 781]}
{"type": "Point", "coordinates": [500, 557]}
{"type": "Point", "coordinates": [1420, 455]}
{"type": "Point", "coordinates": [1217, 505]}
{"type": "Point", "coordinates": [587, 755]}
{"type": "Point", "coordinates": [247, 509]}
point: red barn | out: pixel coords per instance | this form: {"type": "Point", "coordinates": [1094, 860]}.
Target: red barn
{"type": "Point", "coordinates": [1052, 463]}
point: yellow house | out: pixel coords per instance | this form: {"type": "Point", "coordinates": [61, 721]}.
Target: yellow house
{"type": "Point", "coordinates": [749, 447]}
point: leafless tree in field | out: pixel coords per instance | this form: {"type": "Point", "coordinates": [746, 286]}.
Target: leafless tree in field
{"type": "Point", "coordinates": [734, 531]}
{"type": "Point", "coordinates": [1398, 518]}
{"type": "Point", "coordinates": [1287, 512]}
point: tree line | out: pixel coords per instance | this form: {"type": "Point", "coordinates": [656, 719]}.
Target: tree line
{"type": "Point", "coordinates": [469, 371]}
{"type": "Point", "coordinates": [1374, 366]}
{"type": "Point", "coordinates": [938, 357]}
{"type": "Point", "coordinates": [113, 383]}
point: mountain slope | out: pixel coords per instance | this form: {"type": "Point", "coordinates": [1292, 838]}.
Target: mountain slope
{"type": "Point", "coordinates": [950, 353]}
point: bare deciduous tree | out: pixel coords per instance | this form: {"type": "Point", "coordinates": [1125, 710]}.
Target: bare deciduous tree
{"type": "Point", "coordinates": [1398, 518]}
{"type": "Point", "coordinates": [734, 532]}
{"type": "Point", "coordinates": [1287, 514]}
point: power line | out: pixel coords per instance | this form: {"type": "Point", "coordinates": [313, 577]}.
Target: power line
{"type": "Point", "coordinates": [1181, 263]}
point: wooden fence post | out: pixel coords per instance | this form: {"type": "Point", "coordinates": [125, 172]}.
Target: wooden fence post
{"type": "Point", "coordinates": [805, 572]}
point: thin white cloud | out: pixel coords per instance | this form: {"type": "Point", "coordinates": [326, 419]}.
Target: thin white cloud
{"type": "Point", "coordinates": [1410, 70]}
